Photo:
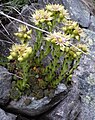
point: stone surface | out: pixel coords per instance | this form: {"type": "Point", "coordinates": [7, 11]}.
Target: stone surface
{"type": "Point", "coordinates": [82, 11]}
{"type": "Point", "coordinates": [6, 116]}
{"type": "Point", "coordinates": [5, 85]}
{"type": "Point", "coordinates": [86, 77]}
{"type": "Point", "coordinates": [19, 117]}
{"type": "Point", "coordinates": [4, 42]}
{"type": "Point", "coordinates": [37, 107]}
{"type": "Point", "coordinates": [78, 11]}
{"type": "Point", "coordinates": [67, 109]}
{"type": "Point", "coordinates": [49, 1]}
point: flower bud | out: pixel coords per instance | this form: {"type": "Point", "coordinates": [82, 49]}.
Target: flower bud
{"type": "Point", "coordinates": [84, 48]}
{"type": "Point", "coordinates": [20, 59]}
{"type": "Point", "coordinates": [77, 37]}
{"type": "Point", "coordinates": [72, 36]}
{"type": "Point", "coordinates": [10, 57]}
{"type": "Point", "coordinates": [61, 15]}
{"type": "Point", "coordinates": [29, 50]}
{"type": "Point", "coordinates": [75, 32]}
{"type": "Point", "coordinates": [42, 20]}
{"type": "Point", "coordinates": [64, 28]}
{"type": "Point", "coordinates": [19, 34]}
{"type": "Point", "coordinates": [23, 28]}
{"type": "Point", "coordinates": [71, 53]}
{"type": "Point", "coordinates": [70, 76]}
{"type": "Point", "coordinates": [67, 49]}
{"type": "Point", "coordinates": [75, 24]}
{"type": "Point", "coordinates": [70, 27]}
{"type": "Point", "coordinates": [74, 55]}
{"type": "Point", "coordinates": [78, 53]}
{"type": "Point", "coordinates": [28, 37]}
{"type": "Point", "coordinates": [29, 32]}
{"type": "Point", "coordinates": [49, 23]}
{"type": "Point", "coordinates": [25, 55]}
{"type": "Point", "coordinates": [25, 35]}
{"type": "Point", "coordinates": [13, 54]}
{"type": "Point", "coordinates": [58, 20]}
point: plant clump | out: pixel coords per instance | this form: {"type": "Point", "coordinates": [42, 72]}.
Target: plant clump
{"type": "Point", "coordinates": [38, 71]}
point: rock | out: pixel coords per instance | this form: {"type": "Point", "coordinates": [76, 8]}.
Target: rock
{"type": "Point", "coordinates": [60, 88]}
{"type": "Point", "coordinates": [19, 117]}
{"type": "Point", "coordinates": [4, 43]}
{"type": "Point", "coordinates": [92, 23]}
{"type": "Point", "coordinates": [67, 109]}
{"type": "Point", "coordinates": [49, 1]}
{"type": "Point", "coordinates": [6, 116]}
{"type": "Point", "coordinates": [82, 11]}
{"type": "Point", "coordinates": [78, 11]}
{"type": "Point", "coordinates": [86, 77]}
{"type": "Point", "coordinates": [5, 85]}
{"type": "Point", "coordinates": [37, 107]}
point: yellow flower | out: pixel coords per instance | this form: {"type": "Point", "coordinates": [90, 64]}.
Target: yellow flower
{"type": "Point", "coordinates": [41, 15]}
{"type": "Point", "coordinates": [37, 16]}
{"type": "Point", "coordinates": [83, 47]}
{"type": "Point", "coordinates": [29, 32]}
{"type": "Point", "coordinates": [56, 37]}
{"type": "Point", "coordinates": [72, 29]}
{"type": "Point", "coordinates": [64, 14]}
{"type": "Point", "coordinates": [13, 54]}
{"type": "Point", "coordinates": [20, 52]}
{"type": "Point", "coordinates": [10, 57]}
{"type": "Point", "coordinates": [22, 28]}
{"type": "Point", "coordinates": [29, 50]}
{"type": "Point", "coordinates": [54, 7]}
{"type": "Point", "coordinates": [58, 12]}
{"type": "Point", "coordinates": [23, 34]}
{"type": "Point", "coordinates": [20, 59]}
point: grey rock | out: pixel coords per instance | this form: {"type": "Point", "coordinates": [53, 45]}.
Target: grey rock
{"type": "Point", "coordinates": [4, 45]}
{"type": "Point", "coordinates": [19, 117]}
{"type": "Point", "coordinates": [92, 23]}
{"type": "Point", "coordinates": [82, 11]}
{"type": "Point", "coordinates": [78, 11]}
{"type": "Point", "coordinates": [67, 109]}
{"type": "Point", "coordinates": [60, 88]}
{"type": "Point", "coordinates": [49, 1]}
{"type": "Point", "coordinates": [5, 85]}
{"type": "Point", "coordinates": [37, 107]}
{"type": "Point", "coordinates": [6, 116]}
{"type": "Point", "coordinates": [86, 77]}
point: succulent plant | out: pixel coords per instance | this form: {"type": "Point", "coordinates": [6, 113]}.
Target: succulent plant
{"type": "Point", "coordinates": [64, 46]}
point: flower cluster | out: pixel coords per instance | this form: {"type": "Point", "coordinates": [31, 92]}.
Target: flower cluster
{"type": "Point", "coordinates": [56, 37]}
{"type": "Point", "coordinates": [83, 47]}
{"type": "Point", "coordinates": [72, 29]}
{"type": "Point", "coordinates": [58, 9]}
{"type": "Point", "coordinates": [41, 16]}
{"type": "Point", "coordinates": [51, 12]}
{"type": "Point", "coordinates": [64, 42]}
{"type": "Point", "coordinates": [59, 39]}
{"type": "Point", "coordinates": [55, 7]}
{"type": "Point", "coordinates": [23, 34]}
{"type": "Point", "coordinates": [21, 52]}
{"type": "Point", "coordinates": [77, 51]}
